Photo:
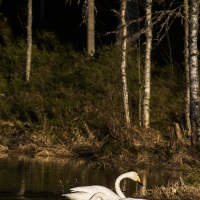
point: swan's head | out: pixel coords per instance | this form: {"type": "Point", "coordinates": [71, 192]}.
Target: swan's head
{"type": "Point", "coordinates": [134, 176]}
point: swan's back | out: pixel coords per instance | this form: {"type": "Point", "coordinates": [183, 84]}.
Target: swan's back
{"type": "Point", "coordinates": [86, 192]}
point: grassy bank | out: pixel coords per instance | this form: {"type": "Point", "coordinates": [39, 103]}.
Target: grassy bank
{"type": "Point", "coordinates": [76, 102]}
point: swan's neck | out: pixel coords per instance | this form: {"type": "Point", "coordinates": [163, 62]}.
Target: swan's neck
{"type": "Point", "coordinates": [99, 195]}
{"type": "Point", "coordinates": [117, 185]}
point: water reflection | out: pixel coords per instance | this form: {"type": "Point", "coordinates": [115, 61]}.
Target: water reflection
{"type": "Point", "coordinates": [22, 189]}
{"type": "Point", "coordinates": [39, 178]}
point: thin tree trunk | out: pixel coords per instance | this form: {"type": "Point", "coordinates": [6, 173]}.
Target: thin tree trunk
{"type": "Point", "coordinates": [91, 29]}
{"type": "Point", "coordinates": [29, 41]}
{"type": "Point", "coordinates": [186, 55]}
{"type": "Point", "coordinates": [139, 69]}
{"type": "Point", "coordinates": [194, 76]}
{"type": "Point", "coordinates": [123, 63]}
{"type": "Point", "coordinates": [147, 67]}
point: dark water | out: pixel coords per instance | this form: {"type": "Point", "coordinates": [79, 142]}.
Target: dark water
{"type": "Point", "coordinates": [39, 178]}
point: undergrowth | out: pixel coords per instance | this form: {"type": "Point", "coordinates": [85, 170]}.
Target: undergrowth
{"type": "Point", "coordinates": [69, 89]}
{"type": "Point", "coordinates": [71, 97]}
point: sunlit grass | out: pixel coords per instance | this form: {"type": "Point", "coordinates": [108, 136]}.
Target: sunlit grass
{"type": "Point", "coordinates": [175, 192]}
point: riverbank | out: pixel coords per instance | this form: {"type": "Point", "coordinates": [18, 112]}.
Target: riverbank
{"type": "Point", "coordinates": [135, 147]}
{"type": "Point", "coordinates": [184, 187]}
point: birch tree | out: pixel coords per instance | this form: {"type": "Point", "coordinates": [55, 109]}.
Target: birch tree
{"type": "Point", "coordinates": [147, 67]}
{"type": "Point", "coordinates": [90, 29]}
{"type": "Point", "coordinates": [123, 62]}
{"type": "Point", "coordinates": [186, 56]}
{"type": "Point", "coordinates": [139, 67]}
{"type": "Point", "coordinates": [29, 41]}
{"type": "Point", "coordinates": [194, 76]}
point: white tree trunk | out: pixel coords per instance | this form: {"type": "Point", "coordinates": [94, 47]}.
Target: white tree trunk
{"type": "Point", "coordinates": [186, 55]}
{"type": "Point", "coordinates": [123, 63]}
{"type": "Point", "coordinates": [139, 68]}
{"type": "Point", "coordinates": [91, 29]}
{"type": "Point", "coordinates": [147, 70]}
{"type": "Point", "coordinates": [194, 76]}
{"type": "Point", "coordinates": [29, 41]}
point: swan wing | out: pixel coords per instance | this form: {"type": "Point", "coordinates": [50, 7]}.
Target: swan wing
{"type": "Point", "coordinates": [78, 196]}
{"type": "Point", "coordinates": [86, 192]}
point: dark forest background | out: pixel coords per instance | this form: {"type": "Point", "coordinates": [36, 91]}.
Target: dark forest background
{"type": "Point", "coordinates": [67, 89]}
{"type": "Point", "coordinates": [65, 19]}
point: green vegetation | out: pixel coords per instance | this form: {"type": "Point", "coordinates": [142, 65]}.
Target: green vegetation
{"type": "Point", "coordinates": [76, 101]}
{"type": "Point", "coordinates": [68, 89]}
{"type": "Point", "coordinates": [73, 106]}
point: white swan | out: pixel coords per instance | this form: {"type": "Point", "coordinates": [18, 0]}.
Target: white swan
{"type": "Point", "coordinates": [86, 192]}
{"type": "Point", "coordinates": [102, 196]}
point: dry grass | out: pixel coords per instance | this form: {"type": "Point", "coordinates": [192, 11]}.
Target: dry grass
{"type": "Point", "coordinates": [58, 151]}
{"type": "Point", "coordinates": [3, 151]}
{"type": "Point", "coordinates": [175, 192]}
{"type": "Point", "coordinates": [133, 147]}
{"type": "Point", "coordinates": [146, 138]}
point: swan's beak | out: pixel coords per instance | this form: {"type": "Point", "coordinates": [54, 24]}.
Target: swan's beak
{"type": "Point", "coordinates": [139, 181]}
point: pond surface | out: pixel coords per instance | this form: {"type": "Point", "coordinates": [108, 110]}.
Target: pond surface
{"type": "Point", "coordinates": [39, 178]}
